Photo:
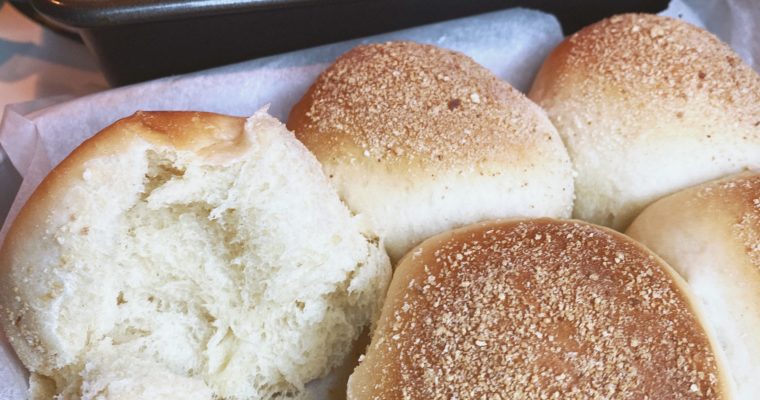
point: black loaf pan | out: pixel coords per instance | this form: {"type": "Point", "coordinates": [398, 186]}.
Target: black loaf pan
{"type": "Point", "coordinates": [136, 40]}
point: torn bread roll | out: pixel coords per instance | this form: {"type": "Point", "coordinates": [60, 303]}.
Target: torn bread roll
{"type": "Point", "coordinates": [539, 309]}
{"type": "Point", "coordinates": [187, 255]}
{"type": "Point", "coordinates": [423, 139]}
{"type": "Point", "coordinates": [710, 234]}
{"type": "Point", "coordinates": [648, 105]}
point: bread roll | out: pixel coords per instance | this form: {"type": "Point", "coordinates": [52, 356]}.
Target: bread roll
{"type": "Point", "coordinates": [710, 234]}
{"type": "Point", "coordinates": [537, 309]}
{"type": "Point", "coordinates": [423, 139]}
{"type": "Point", "coordinates": [187, 255]}
{"type": "Point", "coordinates": [648, 105]}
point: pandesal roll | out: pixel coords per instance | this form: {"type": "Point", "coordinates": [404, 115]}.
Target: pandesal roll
{"type": "Point", "coordinates": [648, 105]}
{"type": "Point", "coordinates": [422, 139]}
{"type": "Point", "coordinates": [538, 309]}
{"type": "Point", "coordinates": [187, 255]}
{"type": "Point", "coordinates": [710, 234]}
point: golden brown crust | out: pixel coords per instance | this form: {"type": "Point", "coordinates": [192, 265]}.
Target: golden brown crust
{"type": "Point", "coordinates": [402, 103]}
{"type": "Point", "coordinates": [738, 197]}
{"type": "Point", "coordinates": [650, 57]}
{"type": "Point", "coordinates": [200, 132]}
{"type": "Point", "coordinates": [735, 202]}
{"type": "Point", "coordinates": [730, 206]}
{"type": "Point", "coordinates": [537, 308]}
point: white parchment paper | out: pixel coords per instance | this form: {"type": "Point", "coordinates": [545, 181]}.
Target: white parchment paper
{"type": "Point", "coordinates": [512, 44]}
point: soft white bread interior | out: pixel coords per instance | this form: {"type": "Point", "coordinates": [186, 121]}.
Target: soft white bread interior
{"type": "Point", "coordinates": [187, 255]}
{"type": "Point", "coordinates": [710, 234]}
{"type": "Point", "coordinates": [538, 309]}
{"type": "Point", "coordinates": [648, 105]}
{"type": "Point", "coordinates": [423, 139]}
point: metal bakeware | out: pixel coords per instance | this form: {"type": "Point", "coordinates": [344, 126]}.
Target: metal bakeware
{"type": "Point", "coordinates": [137, 40]}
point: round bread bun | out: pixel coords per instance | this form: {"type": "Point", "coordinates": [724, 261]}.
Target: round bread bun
{"type": "Point", "coordinates": [187, 255]}
{"type": "Point", "coordinates": [537, 309]}
{"type": "Point", "coordinates": [648, 105]}
{"type": "Point", "coordinates": [423, 139]}
{"type": "Point", "coordinates": [710, 234]}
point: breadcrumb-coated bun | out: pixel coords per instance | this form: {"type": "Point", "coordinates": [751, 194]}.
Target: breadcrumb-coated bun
{"type": "Point", "coordinates": [648, 105]}
{"type": "Point", "coordinates": [423, 139]}
{"type": "Point", "coordinates": [538, 309]}
{"type": "Point", "coordinates": [187, 255]}
{"type": "Point", "coordinates": [710, 234]}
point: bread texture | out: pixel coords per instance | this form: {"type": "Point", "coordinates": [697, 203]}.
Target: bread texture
{"type": "Point", "coordinates": [187, 255]}
{"type": "Point", "coordinates": [710, 234]}
{"type": "Point", "coordinates": [422, 139]}
{"type": "Point", "coordinates": [538, 309]}
{"type": "Point", "coordinates": [648, 105]}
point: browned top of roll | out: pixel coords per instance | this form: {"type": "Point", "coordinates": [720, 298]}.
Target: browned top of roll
{"type": "Point", "coordinates": [655, 57]}
{"type": "Point", "coordinates": [737, 198]}
{"type": "Point", "coordinates": [537, 309]}
{"type": "Point", "coordinates": [403, 101]}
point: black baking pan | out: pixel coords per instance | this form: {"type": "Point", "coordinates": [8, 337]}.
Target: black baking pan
{"type": "Point", "coordinates": [136, 40]}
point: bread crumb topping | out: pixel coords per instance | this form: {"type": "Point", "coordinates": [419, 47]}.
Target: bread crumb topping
{"type": "Point", "coordinates": [543, 310]}
{"type": "Point", "coordinates": [401, 101]}
{"type": "Point", "coordinates": [651, 56]}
